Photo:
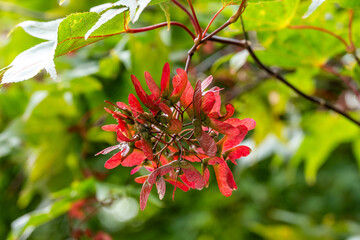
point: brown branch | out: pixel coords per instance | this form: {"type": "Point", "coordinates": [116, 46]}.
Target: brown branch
{"type": "Point", "coordinates": [318, 101]}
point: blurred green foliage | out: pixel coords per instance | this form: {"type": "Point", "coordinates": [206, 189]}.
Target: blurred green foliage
{"type": "Point", "coordinates": [300, 182]}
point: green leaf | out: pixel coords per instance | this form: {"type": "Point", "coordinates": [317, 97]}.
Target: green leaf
{"type": "Point", "coordinates": [107, 16]}
{"type": "Point", "coordinates": [348, 3]}
{"type": "Point", "coordinates": [268, 15]}
{"type": "Point", "coordinates": [22, 227]}
{"type": "Point", "coordinates": [72, 31]}
{"type": "Point", "coordinates": [313, 6]}
{"type": "Point", "coordinates": [325, 133]}
{"type": "Point", "coordinates": [28, 63]}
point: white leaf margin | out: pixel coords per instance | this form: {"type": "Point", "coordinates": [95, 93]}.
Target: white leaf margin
{"type": "Point", "coordinates": [135, 7]}
{"type": "Point", "coordinates": [107, 16]}
{"type": "Point", "coordinates": [313, 6]}
{"type": "Point", "coordinates": [30, 62]}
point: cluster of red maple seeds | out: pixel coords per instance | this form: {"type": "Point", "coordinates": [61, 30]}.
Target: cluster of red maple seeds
{"type": "Point", "coordinates": [167, 142]}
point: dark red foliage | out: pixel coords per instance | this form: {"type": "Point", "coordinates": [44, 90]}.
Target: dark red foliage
{"type": "Point", "coordinates": [184, 125]}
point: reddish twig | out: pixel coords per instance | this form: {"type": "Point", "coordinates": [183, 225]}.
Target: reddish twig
{"type": "Point", "coordinates": [348, 48]}
{"type": "Point", "coordinates": [212, 20]}
{"type": "Point", "coordinates": [352, 45]}
{"type": "Point", "coordinates": [197, 43]}
{"type": "Point", "coordinates": [195, 18]}
{"type": "Point", "coordinates": [192, 20]}
{"type": "Point", "coordinates": [152, 27]}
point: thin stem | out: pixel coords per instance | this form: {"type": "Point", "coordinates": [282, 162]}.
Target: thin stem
{"type": "Point", "coordinates": [212, 20]}
{"type": "Point", "coordinates": [195, 18]}
{"type": "Point", "coordinates": [352, 45]}
{"type": "Point", "coordinates": [188, 13]}
{"type": "Point", "coordinates": [152, 27]}
{"type": "Point", "coordinates": [241, 43]}
{"type": "Point", "coordinates": [157, 142]}
{"type": "Point", "coordinates": [197, 43]}
{"type": "Point", "coordinates": [190, 54]}
{"type": "Point", "coordinates": [348, 48]}
{"type": "Point", "coordinates": [319, 101]}
{"type": "Point", "coordinates": [233, 19]}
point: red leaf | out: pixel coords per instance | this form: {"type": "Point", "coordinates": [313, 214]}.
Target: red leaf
{"type": "Point", "coordinates": [193, 175]}
{"type": "Point", "coordinates": [135, 170]}
{"type": "Point", "coordinates": [208, 144]}
{"type": "Point", "coordinates": [115, 160]}
{"type": "Point", "coordinates": [122, 138]}
{"type": "Point", "coordinates": [175, 126]}
{"type": "Point", "coordinates": [116, 115]}
{"type": "Point", "coordinates": [178, 183]}
{"type": "Point", "coordinates": [217, 105]}
{"type": "Point", "coordinates": [122, 106]}
{"type": "Point", "coordinates": [139, 90]}
{"type": "Point", "coordinates": [186, 181]}
{"type": "Point", "coordinates": [187, 98]}
{"type": "Point", "coordinates": [192, 158]}
{"type": "Point", "coordinates": [165, 80]}
{"type": "Point", "coordinates": [215, 160]}
{"type": "Point", "coordinates": [144, 194]}
{"type": "Point", "coordinates": [229, 112]}
{"type": "Point", "coordinates": [160, 172]}
{"type": "Point", "coordinates": [224, 179]}
{"type": "Point", "coordinates": [135, 158]}
{"type": "Point", "coordinates": [154, 89]}
{"type": "Point", "coordinates": [238, 152]}
{"type": "Point", "coordinates": [208, 102]}
{"type": "Point", "coordinates": [223, 127]}
{"type": "Point", "coordinates": [232, 141]}
{"type": "Point", "coordinates": [161, 187]}
{"type": "Point", "coordinates": [147, 149]}
{"type": "Point", "coordinates": [197, 99]}
{"type": "Point", "coordinates": [135, 105]}
{"type": "Point", "coordinates": [179, 83]}
{"type": "Point", "coordinates": [123, 127]}
{"type": "Point", "coordinates": [206, 175]}
{"type": "Point", "coordinates": [247, 122]}
{"type": "Point", "coordinates": [141, 179]}
{"type": "Point", "coordinates": [206, 82]}
{"type": "Point", "coordinates": [110, 127]}
{"type": "Point", "coordinates": [165, 108]}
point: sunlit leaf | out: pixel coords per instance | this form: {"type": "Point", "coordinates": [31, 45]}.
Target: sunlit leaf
{"type": "Point", "coordinates": [313, 6]}
{"type": "Point", "coordinates": [30, 62]}
{"type": "Point", "coordinates": [107, 16]}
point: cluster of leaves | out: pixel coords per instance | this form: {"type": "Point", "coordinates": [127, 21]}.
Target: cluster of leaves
{"type": "Point", "coordinates": [163, 143]}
